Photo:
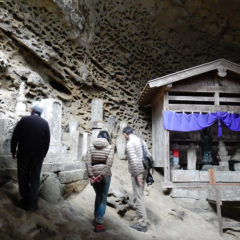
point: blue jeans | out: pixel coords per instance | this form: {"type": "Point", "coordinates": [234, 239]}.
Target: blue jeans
{"type": "Point", "coordinates": [101, 190]}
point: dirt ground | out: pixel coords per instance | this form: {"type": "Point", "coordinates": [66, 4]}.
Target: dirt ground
{"type": "Point", "coordinates": [169, 219]}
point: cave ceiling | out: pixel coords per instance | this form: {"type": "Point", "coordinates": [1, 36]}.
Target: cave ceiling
{"type": "Point", "coordinates": [85, 49]}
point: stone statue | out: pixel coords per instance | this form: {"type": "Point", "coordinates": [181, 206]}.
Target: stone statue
{"type": "Point", "coordinates": [236, 158]}
{"type": "Point", "coordinates": [21, 106]}
{"type": "Point", "coordinates": [223, 157]}
{"type": "Point", "coordinates": [191, 157]}
{"type": "Point", "coordinates": [3, 61]}
{"type": "Point", "coordinates": [206, 146]}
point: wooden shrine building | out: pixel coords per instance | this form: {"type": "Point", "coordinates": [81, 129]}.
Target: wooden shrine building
{"type": "Point", "coordinates": [209, 88]}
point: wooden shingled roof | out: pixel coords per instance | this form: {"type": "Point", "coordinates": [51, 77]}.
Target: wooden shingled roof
{"type": "Point", "coordinates": [154, 85]}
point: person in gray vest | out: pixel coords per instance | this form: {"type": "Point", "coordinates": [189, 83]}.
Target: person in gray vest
{"type": "Point", "coordinates": [29, 144]}
{"type": "Point", "coordinates": [99, 162]}
{"type": "Point", "coordinates": [138, 173]}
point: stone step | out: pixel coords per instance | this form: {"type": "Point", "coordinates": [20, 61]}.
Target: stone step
{"type": "Point", "coordinates": [72, 176]}
{"type": "Point", "coordinates": [55, 167]}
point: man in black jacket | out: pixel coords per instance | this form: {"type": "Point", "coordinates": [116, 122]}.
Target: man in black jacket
{"type": "Point", "coordinates": [30, 143]}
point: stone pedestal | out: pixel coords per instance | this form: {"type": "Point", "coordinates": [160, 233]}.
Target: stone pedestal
{"type": "Point", "coordinates": [191, 157]}
{"type": "Point", "coordinates": [222, 167]}
{"type": "Point", "coordinates": [237, 166]}
{"type": "Point", "coordinates": [205, 167]}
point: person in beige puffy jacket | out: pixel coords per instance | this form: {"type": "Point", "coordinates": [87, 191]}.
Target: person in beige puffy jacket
{"type": "Point", "coordinates": [99, 162]}
{"type": "Point", "coordinates": [138, 173]}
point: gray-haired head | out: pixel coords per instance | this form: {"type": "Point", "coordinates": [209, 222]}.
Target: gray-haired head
{"type": "Point", "coordinates": [37, 108]}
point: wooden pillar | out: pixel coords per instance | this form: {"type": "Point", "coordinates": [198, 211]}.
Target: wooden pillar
{"type": "Point", "coordinates": [216, 94]}
{"type": "Point", "coordinates": [212, 181]}
{"type": "Point", "coordinates": [167, 172]}
{"type": "Point", "coordinates": [219, 212]}
{"type": "Point", "coordinates": [167, 176]}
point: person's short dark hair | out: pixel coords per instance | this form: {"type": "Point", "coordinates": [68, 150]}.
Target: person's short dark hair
{"type": "Point", "coordinates": [128, 130]}
{"type": "Point", "coordinates": [104, 134]}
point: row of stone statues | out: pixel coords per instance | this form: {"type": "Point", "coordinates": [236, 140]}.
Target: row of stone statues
{"type": "Point", "coordinates": [77, 143]}
{"type": "Point", "coordinates": [206, 150]}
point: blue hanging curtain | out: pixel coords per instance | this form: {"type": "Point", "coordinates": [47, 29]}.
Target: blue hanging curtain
{"type": "Point", "coordinates": [184, 122]}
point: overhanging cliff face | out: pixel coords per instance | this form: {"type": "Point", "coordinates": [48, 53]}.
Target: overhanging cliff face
{"type": "Point", "coordinates": [79, 50]}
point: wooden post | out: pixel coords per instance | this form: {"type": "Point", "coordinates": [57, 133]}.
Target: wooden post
{"type": "Point", "coordinates": [219, 212]}
{"type": "Point", "coordinates": [212, 180]}
{"type": "Point", "coordinates": [211, 175]}
{"type": "Point", "coordinates": [167, 170]}
{"type": "Point", "coordinates": [216, 94]}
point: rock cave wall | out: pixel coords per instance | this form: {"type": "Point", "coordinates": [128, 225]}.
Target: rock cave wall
{"type": "Point", "coordinates": [79, 50]}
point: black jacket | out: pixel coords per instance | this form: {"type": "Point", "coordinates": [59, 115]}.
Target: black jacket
{"type": "Point", "coordinates": [31, 137]}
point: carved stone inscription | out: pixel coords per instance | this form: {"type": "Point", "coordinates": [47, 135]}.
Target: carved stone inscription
{"type": "Point", "coordinates": [52, 112]}
{"type": "Point", "coordinates": [6, 128]}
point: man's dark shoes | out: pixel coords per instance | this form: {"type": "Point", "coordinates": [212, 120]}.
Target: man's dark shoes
{"type": "Point", "coordinates": [33, 206]}
{"type": "Point", "coordinates": [23, 203]}
{"type": "Point", "coordinates": [139, 228]}
{"type": "Point", "coordinates": [27, 205]}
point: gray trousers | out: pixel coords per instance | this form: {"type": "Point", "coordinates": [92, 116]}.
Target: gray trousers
{"type": "Point", "coordinates": [138, 199]}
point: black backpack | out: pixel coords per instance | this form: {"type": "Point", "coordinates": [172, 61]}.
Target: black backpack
{"type": "Point", "coordinates": [148, 165]}
{"type": "Point", "coordinates": [147, 159]}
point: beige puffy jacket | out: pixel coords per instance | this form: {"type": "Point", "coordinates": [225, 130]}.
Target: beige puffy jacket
{"type": "Point", "coordinates": [100, 158]}
{"type": "Point", "coordinates": [135, 154]}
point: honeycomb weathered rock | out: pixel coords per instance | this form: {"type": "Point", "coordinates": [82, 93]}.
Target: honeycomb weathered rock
{"type": "Point", "coordinates": [80, 50]}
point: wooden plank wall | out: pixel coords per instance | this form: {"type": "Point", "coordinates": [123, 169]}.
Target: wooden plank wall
{"type": "Point", "coordinates": [206, 93]}
{"type": "Point", "coordinates": [157, 132]}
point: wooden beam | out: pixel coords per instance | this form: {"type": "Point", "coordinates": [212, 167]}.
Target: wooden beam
{"type": "Point", "coordinates": [206, 89]}
{"type": "Point", "coordinates": [202, 108]}
{"type": "Point", "coordinates": [191, 98]}
{"type": "Point", "coordinates": [194, 71]}
{"type": "Point", "coordinates": [184, 185]}
{"type": "Point", "coordinates": [179, 175]}
{"type": "Point", "coordinates": [225, 99]}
